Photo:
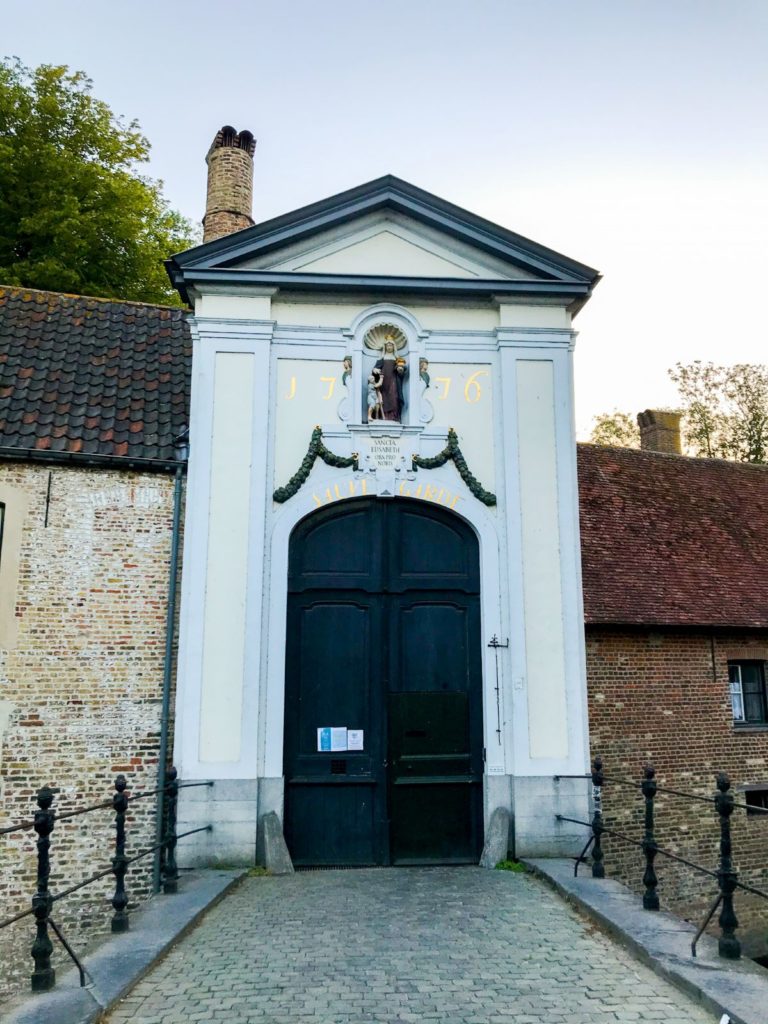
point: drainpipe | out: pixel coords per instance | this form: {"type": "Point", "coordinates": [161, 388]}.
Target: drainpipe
{"type": "Point", "coordinates": [181, 451]}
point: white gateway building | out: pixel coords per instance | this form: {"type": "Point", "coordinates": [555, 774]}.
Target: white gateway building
{"type": "Point", "coordinates": [382, 635]}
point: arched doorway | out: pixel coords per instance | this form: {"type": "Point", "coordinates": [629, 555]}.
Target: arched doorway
{"type": "Point", "coordinates": [384, 641]}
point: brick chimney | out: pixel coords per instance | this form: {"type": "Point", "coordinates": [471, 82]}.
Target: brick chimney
{"type": "Point", "coordinates": [660, 431]}
{"type": "Point", "coordinates": [230, 183]}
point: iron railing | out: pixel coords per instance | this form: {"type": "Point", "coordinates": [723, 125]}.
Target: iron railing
{"type": "Point", "coordinates": [726, 876]}
{"type": "Point", "coordinates": [43, 977]}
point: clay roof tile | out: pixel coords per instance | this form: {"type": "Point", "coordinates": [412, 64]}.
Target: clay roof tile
{"type": "Point", "coordinates": [66, 357]}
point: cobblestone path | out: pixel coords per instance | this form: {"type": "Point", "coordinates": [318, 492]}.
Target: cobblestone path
{"type": "Point", "coordinates": [389, 946]}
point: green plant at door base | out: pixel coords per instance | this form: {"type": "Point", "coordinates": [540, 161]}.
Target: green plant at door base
{"type": "Point", "coordinates": [510, 865]}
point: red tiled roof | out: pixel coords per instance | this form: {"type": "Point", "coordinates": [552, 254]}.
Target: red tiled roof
{"type": "Point", "coordinates": [672, 540]}
{"type": "Point", "coordinates": [92, 376]}
{"type": "Point", "coordinates": [666, 540]}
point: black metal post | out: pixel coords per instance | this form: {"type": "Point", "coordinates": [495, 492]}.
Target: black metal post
{"type": "Point", "coordinates": [170, 871]}
{"type": "Point", "coordinates": [650, 881]}
{"type": "Point", "coordinates": [598, 868]}
{"type": "Point", "coordinates": [120, 922]}
{"type": "Point", "coordinates": [43, 976]}
{"type": "Point", "coordinates": [181, 445]}
{"type": "Point", "coordinates": [728, 945]}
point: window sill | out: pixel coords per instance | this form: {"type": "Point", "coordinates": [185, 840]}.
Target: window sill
{"type": "Point", "coordinates": [757, 727]}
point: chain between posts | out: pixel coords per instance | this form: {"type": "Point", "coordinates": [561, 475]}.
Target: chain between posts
{"type": "Point", "coordinates": [43, 977]}
{"type": "Point", "coordinates": [725, 875]}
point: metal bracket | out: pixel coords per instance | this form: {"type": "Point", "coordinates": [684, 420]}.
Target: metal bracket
{"type": "Point", "coordinates": [495, 644]}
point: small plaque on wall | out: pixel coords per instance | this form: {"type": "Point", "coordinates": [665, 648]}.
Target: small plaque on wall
{"type": "Point", "coordinates": [354, 739]}
{"type": "Point", "coordinates": [385, 452]}
{"type": "Point", "coordinates": [332, 738]}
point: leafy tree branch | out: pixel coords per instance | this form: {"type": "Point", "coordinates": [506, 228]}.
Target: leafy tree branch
{"type": "Point", "coordinates": [75, 213]}
{"type": "Point", "coordinates": [725, 413]}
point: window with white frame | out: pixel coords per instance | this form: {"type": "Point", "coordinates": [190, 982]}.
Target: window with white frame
{"type": "Point", "coordinates": [748, 694]}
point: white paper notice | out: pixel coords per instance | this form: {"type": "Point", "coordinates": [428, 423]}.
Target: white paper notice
{"type": "Point", "coordinates": [338, 737]}
{"type": "Point", "coordinates": [354, 739]}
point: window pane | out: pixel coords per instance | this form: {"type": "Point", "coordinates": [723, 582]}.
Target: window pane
{"type": "Point", "coordinates": [748, 696]}
{"type": "Point", "coordinates": [751, 678]}
{"type": "Point", "coordinates": [756, 798]}
{"type": "Point", "coordinates": [737, 699]}
{"type": "Point", "coordinates": [737, 703]}
{"type": "Point", "coordinates": [753, 706]}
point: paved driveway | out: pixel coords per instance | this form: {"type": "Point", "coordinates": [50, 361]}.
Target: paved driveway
{"type": "Point", "coordinates": [389, 946]}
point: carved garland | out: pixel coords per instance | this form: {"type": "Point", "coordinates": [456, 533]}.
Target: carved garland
{"type": "Point", "coordinates": [316, 450]}
{"type": "Point", "coordinates": [452, 452]}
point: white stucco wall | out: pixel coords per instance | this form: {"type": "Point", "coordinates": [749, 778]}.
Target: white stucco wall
{"type": "Point", "coordinates": [226, 583]}
{"type": "Point", "coordinates": [267, 370]}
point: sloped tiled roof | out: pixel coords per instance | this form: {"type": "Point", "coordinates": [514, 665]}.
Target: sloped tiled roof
{"type": "Point", "coordinates": [672, 540]}
{"type": "Point", "coordinates": [95, 377]}
{"type": "Point", "coordinates": [666, 540]}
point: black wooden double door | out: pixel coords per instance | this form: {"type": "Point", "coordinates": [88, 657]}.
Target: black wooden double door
{"type": "Point", "coordinates": [384, 642]}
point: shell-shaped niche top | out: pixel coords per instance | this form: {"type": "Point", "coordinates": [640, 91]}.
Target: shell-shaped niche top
{"type": "Point", "coordinates": [378, 336]}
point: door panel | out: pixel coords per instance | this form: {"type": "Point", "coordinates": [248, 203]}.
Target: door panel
{"type": "Point", "coordinates": [339, 548]}
{"type": "Point", "coordinates": [334, 668]}
{"type": "Point", "coordinates": [430, 645]}
{"type": "Point", "coordinates": [333, 812]}
{"type": "Point", "coordinates": [433, 824]}
{"type": "Point", "coordinates": [434, 791]}
{"type": "Point", "coordinates": [383, 636]}
{"type": "Point", "coordinates": [435, 551]}
{"type": "Point", "coordinates": [332, 824]}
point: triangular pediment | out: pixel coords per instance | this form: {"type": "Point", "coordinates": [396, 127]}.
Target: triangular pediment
{"type": "Point", "coordinates": [384, 234]}
{"type": "Point", "coordinates": [386, 252]}
{"type": "Point", "coordinates": [387, 244]}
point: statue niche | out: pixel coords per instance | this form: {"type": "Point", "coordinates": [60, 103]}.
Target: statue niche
{"type": "Point", "coordinates": [385, 394]}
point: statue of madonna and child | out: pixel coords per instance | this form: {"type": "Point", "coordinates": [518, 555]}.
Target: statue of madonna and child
{"type": "Point", "coordinates": [385, 386]}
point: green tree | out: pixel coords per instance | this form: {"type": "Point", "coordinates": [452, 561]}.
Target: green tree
{"type": "Point", "coordinates": [701, 389]}
{"type": "Point", "coordinates": [616, 430]}
{"type": "Point", "coordinates": [725, 409]}
{"type": "Point", "coordinates": [75, 214]}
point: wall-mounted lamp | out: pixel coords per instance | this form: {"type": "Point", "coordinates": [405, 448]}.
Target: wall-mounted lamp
{"type": "Point", "coordinates": [181, 446]}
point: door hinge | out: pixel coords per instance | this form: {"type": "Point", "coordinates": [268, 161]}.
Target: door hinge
{"type": "Point", "coordinates": [483, 755]}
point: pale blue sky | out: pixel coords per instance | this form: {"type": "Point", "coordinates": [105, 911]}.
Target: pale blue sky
{"type": "Point", "coordinates": [629, 134]}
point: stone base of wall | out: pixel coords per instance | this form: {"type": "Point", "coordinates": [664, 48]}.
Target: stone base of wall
{"type": "Point", "coordinates": [537, 802]}
{"type": "Point", "coordinates": [231, 807]}
{"type": "Point", "coordinates": [234, 808]}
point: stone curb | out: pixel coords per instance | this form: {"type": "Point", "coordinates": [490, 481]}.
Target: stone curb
{"type": "Point", "coordinates": [738, 989]}
{"type": "Point", "coordinates": [120, 961]}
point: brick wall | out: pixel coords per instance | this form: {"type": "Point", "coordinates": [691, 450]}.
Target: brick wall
{"type": "Point", "coordinates": [80, 682]}
{"type": "Point", "coordinates": [663, 697]}
{"type": "Point", "coordinates": [230, 192]}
